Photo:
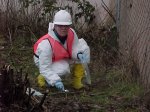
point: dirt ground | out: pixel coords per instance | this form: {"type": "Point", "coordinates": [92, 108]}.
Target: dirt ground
{"type": "Point", "coordinates": [84, 100]}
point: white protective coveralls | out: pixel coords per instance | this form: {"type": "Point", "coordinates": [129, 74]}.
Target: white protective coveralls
{"type": "Point", "coordinates": [52, 71]}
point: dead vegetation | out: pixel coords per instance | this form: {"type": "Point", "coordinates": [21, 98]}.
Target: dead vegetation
{"type": "Point", "coordinates": [103, 95]}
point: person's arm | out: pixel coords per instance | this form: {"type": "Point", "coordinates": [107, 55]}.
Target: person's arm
{"type": "Point", "coordinates": [80, 49]}
{"type": "Point", "coordinates": [74, 46]}
{"type": "Point", "coordinates": [44, 52]}
{"type": "Point", "coordinates": [84, 50]}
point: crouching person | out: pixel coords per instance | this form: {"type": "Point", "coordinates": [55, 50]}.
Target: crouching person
{"type": "Point", "coordinates": [54, 51]}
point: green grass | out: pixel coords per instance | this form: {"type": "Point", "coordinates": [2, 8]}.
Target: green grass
{"type": "Point", "coordinates": [118, 94]}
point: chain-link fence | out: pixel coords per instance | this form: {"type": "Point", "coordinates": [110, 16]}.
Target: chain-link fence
{"type": "Point", "coordinates": [133, 18]}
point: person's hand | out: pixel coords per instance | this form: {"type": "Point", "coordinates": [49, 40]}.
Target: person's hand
{"type": "Point", "coordinates": [59, 85]}
{"type": "Point", "coordinates": [82, 57]}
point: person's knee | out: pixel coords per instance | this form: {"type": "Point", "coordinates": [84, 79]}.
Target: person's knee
{"type": "Point", "coordinates": [78, 70]}
{"type": "Point", "coordinates": [41, 81]}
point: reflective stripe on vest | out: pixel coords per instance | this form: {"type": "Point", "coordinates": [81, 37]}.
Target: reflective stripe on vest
{"type": "Point", "coordinates": [59, 52]}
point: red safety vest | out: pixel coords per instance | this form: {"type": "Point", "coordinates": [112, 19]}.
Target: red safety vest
{"type": "Point", "coordinates": [59, 52]}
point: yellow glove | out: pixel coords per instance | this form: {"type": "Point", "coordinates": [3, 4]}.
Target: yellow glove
{"type": "Point", "coordinates": [41, 81]}
{"type": "Point", "coordinates": [78, 73]}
